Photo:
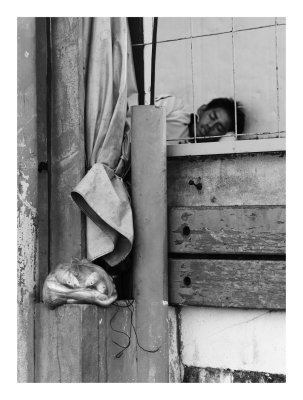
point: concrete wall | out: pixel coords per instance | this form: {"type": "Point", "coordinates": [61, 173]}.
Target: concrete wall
{"type": "Point", "coordinates": [202, 58]}
{"type": "Point", "coordinates": [226, 345]}
{"type": "Point", "coordinates": [252, 340]}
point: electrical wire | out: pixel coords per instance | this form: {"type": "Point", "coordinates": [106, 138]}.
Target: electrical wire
{"type": "Point", "coordinates": [129, 305]}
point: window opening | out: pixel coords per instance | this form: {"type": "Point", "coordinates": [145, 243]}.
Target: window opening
{"type": "Point", "coordinates": [167, 38]}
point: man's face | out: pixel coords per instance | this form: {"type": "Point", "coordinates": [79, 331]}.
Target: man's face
{"type": "Point", "coordinates": [213, 122]}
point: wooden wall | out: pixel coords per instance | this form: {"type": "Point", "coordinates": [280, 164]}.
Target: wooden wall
{"type": "Point", "coordinates": [227, 230]}
{"type": "Point", "coordinates": [67, 154]}
{"type": "Point", "coordinates": [227, 269]}
{"type": "Point", "coordinates": [81, 343]}
{"type": "Point", "coordinates": [28, 269]}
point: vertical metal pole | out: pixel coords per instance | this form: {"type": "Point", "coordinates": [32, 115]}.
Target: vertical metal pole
{"type": "Point", "coordinates": [149, 198]}
{"type": "Point", "coordinates": [153, 63]}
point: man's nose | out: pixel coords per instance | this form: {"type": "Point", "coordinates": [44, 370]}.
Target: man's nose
{"type": "Point", "coordinates": [211, 124]}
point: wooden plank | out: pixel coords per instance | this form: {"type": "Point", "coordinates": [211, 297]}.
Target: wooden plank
{"type": "Point", "coordinates": [229, 230]}
{"type": "Point", "coordinates": [66, 345]}
{"type": "Point", "coordinates": [67, 140]}
{"type": "Point", "coordinates": [42, 116]}
{"type": "Point", "coordinates": [227, 283]}
{"type": "Point", "coordinates": [148, 159]}
{"type": "Point", "coordinates": [28, 273]}
{"type": "Point", "coordinates": [102, 344]}
{"type": "Point", "coordinates": [47, 367]}
{"type": "Point", "coordinates": [89, 344]}
{"type": "Point", "coordinates": [242, 179]}
{"type": "Point", "coordinates": [74, 343]}
{"type": "Point", "coordinates": [69, 341]}
{"type": "Point", "coordinates": [121, 368]}
{"type": "Point", "coordinates": [57, 344]}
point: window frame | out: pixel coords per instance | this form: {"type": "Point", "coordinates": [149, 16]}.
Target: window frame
{"type": "Point", "coordinates": [227, 147]}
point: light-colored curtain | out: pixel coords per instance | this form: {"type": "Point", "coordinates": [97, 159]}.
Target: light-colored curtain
{"type": "Point", "coordinates": [110, 91]}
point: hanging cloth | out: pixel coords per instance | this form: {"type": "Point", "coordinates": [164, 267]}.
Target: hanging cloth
{"type": "Point", "coordinates": [110, 92]}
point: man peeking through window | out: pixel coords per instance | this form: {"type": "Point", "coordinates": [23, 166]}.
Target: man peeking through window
{"type": "Point", "coordinates": [214, 121]}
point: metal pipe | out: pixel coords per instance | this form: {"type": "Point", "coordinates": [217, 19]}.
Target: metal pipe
{"type": "Point", "coordinates": [153, 62]}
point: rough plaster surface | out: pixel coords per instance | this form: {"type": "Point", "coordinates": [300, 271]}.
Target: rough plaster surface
{"type": "Point", "coordinates": [27, 197]}
{"type": "Point", "coordinates": [250, 340]}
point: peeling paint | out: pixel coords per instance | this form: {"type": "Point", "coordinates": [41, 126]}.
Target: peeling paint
{"type": "Point", "coordinates": [23, 196]}
{"type": "Point", "coordinates": [185, 216]}
{"type": "Point", "coordinates": [27, 253]}
{"type": "Point", "coordinates": [27, 257]}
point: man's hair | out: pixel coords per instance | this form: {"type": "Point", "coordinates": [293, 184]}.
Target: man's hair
{"type": "Point", "coordinates": [229, 106]}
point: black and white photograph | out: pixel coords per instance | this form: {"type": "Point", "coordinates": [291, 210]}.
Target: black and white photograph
{"type": "Point", "coordinates": [151, 215]}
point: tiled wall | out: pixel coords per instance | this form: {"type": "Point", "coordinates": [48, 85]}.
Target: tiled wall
{"type": "Point", "coordinates": [199, 59]}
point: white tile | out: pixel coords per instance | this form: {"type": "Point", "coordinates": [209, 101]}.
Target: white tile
{"type": "Point", "coordinates": [255, 78]}
{"type": "Point", "coordinates": [173, 71]}
{"type": "Point", "coordinates": [213, 73]}
{"type": "Point", "coordinates": [251, 340]}
{"type": "Point", "coordinates": [281, 20]}
{"type": "Point", "coordinates": [281, 51]}
{"type": "Point", "coordinates": [252, 22]}
{"type": "Point", "coordinates": [173, 28]}
{"type": "Point", "coordinates": [210, 25]}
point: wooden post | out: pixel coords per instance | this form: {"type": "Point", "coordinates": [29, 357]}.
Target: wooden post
{"type": "Point", "coordinates": [42, 130]}
{"type": "Point", "coordinates": [27, 196]}
{"type": "Point", "coordinates": [67, 344]}
{"type": "Point", "coordinates": [149, 198]}
{"type": "Point", "coordinates": [79, 343]}
{"type": "Point", "coordinates": [67, 233]}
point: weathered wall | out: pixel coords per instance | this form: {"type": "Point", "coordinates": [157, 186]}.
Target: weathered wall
{"type": "Point", "coordinates": [63, 164]}
{"type": "Point", "coordinates": [213, 345]}
{"type": "Point", "coordinates": [67, 239]}
{"type": "Point", "coordinates": [27, 196]}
